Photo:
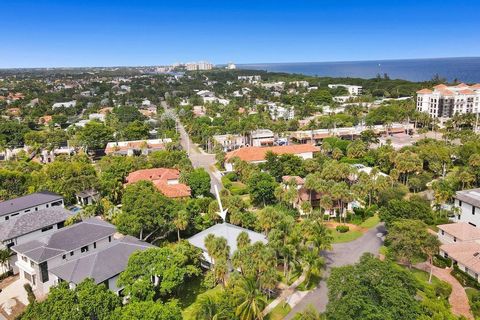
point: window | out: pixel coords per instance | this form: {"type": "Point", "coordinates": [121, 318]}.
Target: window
{"type": "Point", "coordinates": [472, 224]}
{"type": "Point", "coordinates": [71, 253]}
{"type": "Point", "coordinates": [94, 245]}
{"type": "Point", "coordinates": [473, 210]}
{"type": "Point", "coordinates": [64, 257]}
{"type": "Point", "coordinates": [7, 217]}
{"type": "Point", "coordinates": [84, 249]}
{"type": "Point", "coordinates": [60, 225]}
{"type": "Point", "coordinates": [109, 238]}
{"type": "Point", "coordinates": [47, 228]}
{"type": "Point", "coordinates": [454, 239]}
{"type": "Point", "coordinates": [443, 233]}
{"type": "Point", "coordinates": [25, 259]}
{"type": "Point", "coordinates": [47, 205]}
{"type": "Point", "coordinates": [459, 203]}
{"type": "Point", "coordinates": [43, 271]}
{"type": "Point", "coordinates": [32, 264]}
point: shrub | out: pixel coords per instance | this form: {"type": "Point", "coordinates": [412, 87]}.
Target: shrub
{"type": "Point", "coordinates": [464, 278]}
{"type": "Point", "coordinates": [30, 294]}
{"type": "Point", "coordinates": [232, 176]}
{"type": "Point", "coordinates": [342, 229]}
{"type": "Point", "coordinates": [441, 262]}
{"type": "Point", "coordinates": [226, 182]}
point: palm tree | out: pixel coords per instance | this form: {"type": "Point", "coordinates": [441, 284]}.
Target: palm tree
{"type": "Point", "coordinates": [309, 314]}
{"type": "Point", "coordinates": [251, 301]}
{"type": "Point", "coordinates": [206, 308]}
{"type": "Point", "coordinates": [181, 221]}
{"type": "Point", "coordinates": [4, 258]}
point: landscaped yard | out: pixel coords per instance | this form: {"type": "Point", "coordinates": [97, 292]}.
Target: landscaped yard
{"type": "Point", "coordinates": [279, 312]}
{"type": "Point", "coordinates": [348, 236]}
{"type": "Point", "coordinates": [192, 291]}
{"type": "Point", "coordinates": [370, 222]}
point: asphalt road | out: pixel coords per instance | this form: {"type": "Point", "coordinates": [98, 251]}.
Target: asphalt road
{"type": "Point", "coordinates": [342, 254]}
{"type": "Point", "coordinates": [198, 158]}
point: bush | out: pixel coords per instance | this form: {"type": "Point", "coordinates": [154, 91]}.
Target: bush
{"type": "Point", "coordinates": [226, 182]}
{"type": "Point", "coordinates": [464, 278]}
{"type": "Point", "coordinates": [6, 274]}
{"type": "Point", "coordinates": [441, 262]}
{"type": "Point", "coordinates": [238, 189]}
{"type": "Point", "coordinates": [232, 176]}
{"type": "Point", "coordinates": [30, 294]}
{"type": "Point", "coordinates": [342, 229]}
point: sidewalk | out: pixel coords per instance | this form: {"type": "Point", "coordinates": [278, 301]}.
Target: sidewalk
{"type": "Point", "coordinates": [458, 298]}
{"type": "Point", "coordinates": [285, 295]}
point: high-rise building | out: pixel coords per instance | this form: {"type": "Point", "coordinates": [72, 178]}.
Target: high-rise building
{"type": "Point", "coordinates": [445, 101]}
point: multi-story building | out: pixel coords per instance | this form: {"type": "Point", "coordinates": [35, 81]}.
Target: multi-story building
{"type": "Point", "coordinates": [29, 203]}
{"type": "Point", "coordinates": [467, 203]}
{"type": "Point", "coordinates": [352, 90]}
{"type": "Point", "coordinates": [445, 101]}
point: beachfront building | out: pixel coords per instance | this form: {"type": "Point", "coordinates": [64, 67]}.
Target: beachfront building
{"type": "Point", "coordinates": [445, 101]}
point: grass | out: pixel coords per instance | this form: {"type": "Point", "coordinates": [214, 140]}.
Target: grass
{"type": "Point", "coordinates": [473, 298]}
{"type": "Point", "coordinates": [346, 236]}
{"type": "Point", "coordinates": [279, 312]}
{"type": "Point", "coordinates": [314, 281]}
{"type": "Point", "coordinates": [187, 312]}
{"type": "Point", "coordinates": [370, 222]}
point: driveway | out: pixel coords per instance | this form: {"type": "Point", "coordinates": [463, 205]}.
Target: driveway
{"type": "Point", "coordinates": [13, 290]}
{"type": "Point", "coordinates": [341, 255]}
{"type": "Point", "coordinates": [198, 158]}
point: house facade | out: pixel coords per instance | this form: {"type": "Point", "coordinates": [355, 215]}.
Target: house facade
{"type": "Point", "coordinates": [30, 203]}
{"type": "Point", "coordinates": [467, 203]}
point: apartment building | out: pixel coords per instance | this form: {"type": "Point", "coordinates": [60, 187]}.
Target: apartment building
{"type": "Point", "coordinates": [445, 101]}
{"type": "Point", "coordinates": [352, 90]}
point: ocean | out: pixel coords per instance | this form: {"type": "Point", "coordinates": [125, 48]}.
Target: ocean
{"type": "Point", "coordinates": [462, 69]}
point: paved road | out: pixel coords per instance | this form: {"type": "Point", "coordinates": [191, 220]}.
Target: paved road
{"type": "Point", "coordinates": [342, 254]}
{"type": "Point", "coordinates": [198, 158]}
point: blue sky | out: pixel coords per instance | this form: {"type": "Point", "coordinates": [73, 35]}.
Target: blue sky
{"type": "Point", "coordinates": [41, 33]}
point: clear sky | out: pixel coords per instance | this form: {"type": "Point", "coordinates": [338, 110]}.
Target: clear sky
{"type": "Point", "coordinates": [42, 33]}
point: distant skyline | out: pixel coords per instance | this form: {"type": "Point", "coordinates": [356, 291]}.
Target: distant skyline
{"type": "Point", "coordinates": [47, 33]}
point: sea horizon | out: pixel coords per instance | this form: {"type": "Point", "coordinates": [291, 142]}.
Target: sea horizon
{"type": "Point", "coordinates": [465, 69]}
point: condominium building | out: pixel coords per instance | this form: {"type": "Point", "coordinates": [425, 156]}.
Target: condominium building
{"type": "Point", "coordinates": [445, 101]}
{"type": "Point", "coordinates": [352, 90]}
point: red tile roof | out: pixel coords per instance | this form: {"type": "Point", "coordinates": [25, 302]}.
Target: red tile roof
{"type": "Point", "coordinates": [461, 85]}
{"type": "Point", "coordinates": [475, 86]}
{"type": "Point", "coordinates": [466, 253]}
{"type": "Point", "coordinates": [250, 154]}
{"type": "Point", "coordinates": [461, 230]}
{"type": "Point", "coordinates": [160, 178]}
{"type": "Point", "coordinates": [298, 180]}
{"type": "Point", "coordinates": [424, 91]}
{"type": "Point", "coordinates": [466, 91]}
{"type": "Point", "coordinates": [446, 92]}
{"type": "Point", "coordinates": [440, 86]}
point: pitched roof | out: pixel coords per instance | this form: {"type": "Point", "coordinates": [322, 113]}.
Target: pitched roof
{"type": "Point", "coordinates": [28, 201]}
{"type": "Point", "coordinates": [461, 85]}
{"type": "Point", "coordinates": [440, 86]}
{"type": "Point", "coordinates": [160, 178]}
{"type": "Point", "coordinates": [461, 230]}
{"type": "Point", "coordinates": [66, 239]}
{"type": "Point", "coordinates": [163, 174]}
{"type": "Point", "coordinates": [424, 91]}
{"type": "Point", "coordinates": [466, 91]}
{"type": "Point", "coordinates": [446, 92]}
{"type": "Point", "coordinates": [229, 232]}
{"type": "Point", "coordinates": [470, 196]}
{"type": "Point", "coordinates": [298, 180]}
{"type": "Point", "coordinates": [475, 86]}
{"type": "Point", "coordinates": [32, 221]}
{"type": "Point", "coordinates": [258, 153]}
{"type": "Point", "coordinates": [102, 264]}
{"type": "Point", "coordinates": [466, 253]}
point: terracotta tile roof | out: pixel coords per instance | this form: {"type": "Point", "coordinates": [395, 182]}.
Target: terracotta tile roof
{"type": "Point", "coordinates": [162, 174]}
{"type": "Point", "coordinates": [424, 91]}
{"type": "Point", "coordinates": [105, 110]}
{"type": "Point", "coordinates": [45, 119]}
{"type": "Point", "coordinates": [160, 178]}
{"type": "Point", "coordinates": [461, 230]}
{"type": "Point", "coordinates": [299, 180]}
{"type": "Point", "coordinates": [475, 86]}
{"type": "Point", "coordinates": [461, 85]}
{"type": "Point", "coordinates": [440, 86]}
{"type": "Point", "coordinates": [446, 92]}
{"type": "Point", "coordinates": [250, 154]}
{"type": "Point", "coordinates": [179, 190]}
{"type": "Point", "coordinates": [466, 91]}
{"type": "Point", "coordinates": [466, 253]}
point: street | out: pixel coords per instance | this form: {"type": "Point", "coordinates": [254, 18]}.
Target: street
{"type": "Point", "coordinates": [341, 254]}
{"type": "Point", "coordinates": [198, 158]}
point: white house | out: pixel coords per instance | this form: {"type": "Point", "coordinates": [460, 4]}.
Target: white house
{"type": "Point", "coordinates": [68, 104]}
{"type": "Point", "coordinates": [352, 90]}
{"type": "Point", "coordinates": [468, 204]}
{"type": "Point", "coordinates": [36, 258]}
{"type": "Point", "coordinates": [30, 203]}
{"type": "Point", "coordinates": [457, 232]}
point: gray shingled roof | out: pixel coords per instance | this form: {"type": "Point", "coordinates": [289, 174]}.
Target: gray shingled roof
{"type": "Point", "coordinates": [32, 221]}
{"type": "Point", "coordinates": [28, 201]}
{"type": "Point", "coordinates": [101, 264]}
{"type": "Point", "coordinates": [229, 232]}
{"type": "Point", "coordinates": [471, 196]}
{"type": "Point", "coordinates": [66, 239]}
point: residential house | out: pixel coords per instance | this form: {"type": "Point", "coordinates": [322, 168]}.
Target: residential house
{"type": "Point", "coordinates": [29, 203]}
{"type": "Point", "coordinates": [87, 197]}
{"type": "Point", "coordinates": [136, 147]}
{"type": "Point", "coordinates": [467, 202]}
{"type": "Point", "coordinates": [257, 154]}
{"type": "Point", "coordinates": [165, 179]}
{"type": "Point", "coordinates": [228, 231]}
{"type": "Point", "coordinates": [103, 265]}
{"type": "Point", "coordinates": [457, 232]}
{"type": "Point", "coordinates": [262, 137]}
{"type": "Point", "coordinates": [68, 104]}
{"type": "Point", "coordinates": [38, 257]}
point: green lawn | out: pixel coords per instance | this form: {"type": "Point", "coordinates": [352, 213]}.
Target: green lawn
{"type": "Point", "coordinates": [370, 222]}
{"type": "Point", "coordinates": [345, 237]}
{"type": "Point", "coordinates": [192, 291]}
{"type": "Point", "coordinates": [279, 312]}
